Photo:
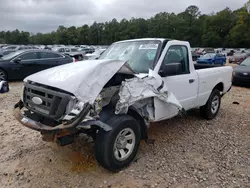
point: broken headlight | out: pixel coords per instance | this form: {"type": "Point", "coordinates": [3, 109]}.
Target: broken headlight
{"type": "Point", "coordinates": [74, 108]}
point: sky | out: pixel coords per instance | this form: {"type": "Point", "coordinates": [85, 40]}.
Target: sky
{"type": "Point", "coordinates": [46, 15]}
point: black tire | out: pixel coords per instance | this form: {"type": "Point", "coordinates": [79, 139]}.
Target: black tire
{"type": "Point", "coordinates": [105, 142]}
{"type": "Point", "coordinates": [206, 111]}
{"type": "Point", "coordinates": [3, 75]}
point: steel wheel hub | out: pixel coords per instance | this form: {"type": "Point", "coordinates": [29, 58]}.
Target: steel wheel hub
{"type": "Point", "coordinates": [215, 104]}
{"type": "Point", "coordinates": [124, 144]}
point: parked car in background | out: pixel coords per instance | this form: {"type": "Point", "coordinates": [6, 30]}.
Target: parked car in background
{"type": "Point", "coordinates": [87, 50]}
{"type": "Point", "coordinates": [24, 47]}
{"type": "Point", "coordinates": [200, 51]}
{"type": "Point", "coordinates": [64, 49]}
{"type": "Point", "coordinates": [59, 49]}
{"type": "Point", "coordinates": [195, 56]}
{"type": "Point", "coordinates": [10, 47]}
{"type": "Point", "coordinates": [237, 58]}
{"type": "Point", "coordinates": [74, 53]}
{"type": "Point", "coordinates": [230, 52]}
{"type": "Point", "coordinates": [77, 56]}
{"type": "Point", "coordinates": [218, 50]}
{"type": "Point", "coordinates": [243, 50]}
{"type": "Point", "coordinates": [2, 45]}
{"type": "Point", "coordinates": [208, 50]}
{"type": "Point", "coordinates": [19, 64]}
{"type": "Point", "coordinates": [94, 55]}
{"type": "Point", "coordinates": [212, 58]}
{"type": "Point", "coordinates": [241, 73]}
{"type": "Point", "coordinates": [5, 52]}
{"type": "Point", "coordinates": [47, 48]}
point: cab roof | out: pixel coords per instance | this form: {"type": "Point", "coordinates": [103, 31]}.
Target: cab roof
{"type": "Point", "coordinates": [143, 39]}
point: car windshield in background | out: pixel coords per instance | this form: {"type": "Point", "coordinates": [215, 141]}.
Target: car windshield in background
{"type": "Point", "coordinates": [209, 55]}
{"type": "Point", "coordinates": [140, 55]}
{"type": "Point", "coordinates": [7, 52]}
{"type": "Point", "coordinates": [246, 62]}
{"type": "Point", "coordinates": [74, 50]}
{"type": "Point", "coordinates": [11, 55]}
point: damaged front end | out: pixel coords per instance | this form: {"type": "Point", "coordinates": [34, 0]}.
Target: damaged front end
{"type": "Point", "coordinates": [60, 114]}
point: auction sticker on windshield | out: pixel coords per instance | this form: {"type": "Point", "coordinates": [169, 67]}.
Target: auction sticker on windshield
{"type": "Point", "coordinates": [148, 46]}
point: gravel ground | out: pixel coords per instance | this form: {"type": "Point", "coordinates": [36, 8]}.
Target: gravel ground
{"type": "Point", "coordinates": [187, 152]}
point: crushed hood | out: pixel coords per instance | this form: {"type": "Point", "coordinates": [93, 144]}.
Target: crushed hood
{"type": "Point", "coordinates": [84, 79]}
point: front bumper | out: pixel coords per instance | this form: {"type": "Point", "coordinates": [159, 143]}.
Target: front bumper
{"type": "Point", "coordinates": [27, 122]}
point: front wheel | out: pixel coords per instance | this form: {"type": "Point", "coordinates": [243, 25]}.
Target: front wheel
{"type": "Point", "coordinates": [117, 148]}
{"type": "Point", "coordinates": [3, 75]}
{"type": "Point", "coordinates": [211, 108]}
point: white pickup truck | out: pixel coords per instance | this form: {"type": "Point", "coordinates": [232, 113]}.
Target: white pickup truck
{"type": "Point", "coordinates": [114, 99]}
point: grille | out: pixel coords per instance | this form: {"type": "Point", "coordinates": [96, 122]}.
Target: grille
{"type": "Point", "coordinates": [53, 104]}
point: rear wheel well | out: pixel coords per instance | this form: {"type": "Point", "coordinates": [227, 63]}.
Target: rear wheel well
{"type": "Point", "coordinates": [219, 86]}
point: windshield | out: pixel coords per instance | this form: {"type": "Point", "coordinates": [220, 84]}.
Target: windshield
{"type": "Point", "coordinates": [11, 55]}
{"type": "Point", "coordinates": [246, 62]}
{"type": "Point", "coordinates": [208, 55]}
{"type": "Point", "coordinates": [140, 55]}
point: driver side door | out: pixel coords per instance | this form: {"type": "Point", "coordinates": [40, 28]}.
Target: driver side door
{"type": "Point", "coordinates": [183, 85]}
{"type": "Point", "coordinates": [27, 65]}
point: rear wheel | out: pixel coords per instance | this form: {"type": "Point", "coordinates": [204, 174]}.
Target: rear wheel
{"type": "Point", "coordinates": [3, 75]}
{"type": "Point", "coordinates": [211, 108]}
{"type": "Point", "coordinates": [117, 148]}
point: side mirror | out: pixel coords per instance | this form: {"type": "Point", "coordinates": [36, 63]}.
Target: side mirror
{"type": "Point", "coordinates": [170, 69]}
{"type": "Point", "coordinates": [17, 60]}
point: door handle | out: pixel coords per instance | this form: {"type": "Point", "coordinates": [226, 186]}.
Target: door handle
{"type": "Point", "coordinates": [191, 81]}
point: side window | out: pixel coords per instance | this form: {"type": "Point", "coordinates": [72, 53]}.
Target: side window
{"type": "Point", "coordinates": [67, 50]}
{"type": "Point", "coordinates": [46, 55]}
{"type": "Point", "coordinates": [177, 54]}
{"type": "Point", "coordinates": [29, 56]}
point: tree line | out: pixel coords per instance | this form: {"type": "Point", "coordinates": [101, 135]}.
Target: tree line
{"type": "Point", "coordinates": [225, 28]}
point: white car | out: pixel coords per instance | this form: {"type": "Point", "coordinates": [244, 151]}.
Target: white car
{"type": "Point", "coordinates": [115, 98]}
{"type": "Point", "coordinates": [95, 54]}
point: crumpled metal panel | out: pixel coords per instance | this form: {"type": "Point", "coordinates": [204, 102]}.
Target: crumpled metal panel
{"type": "Point", "coordinates": [135, 91]}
